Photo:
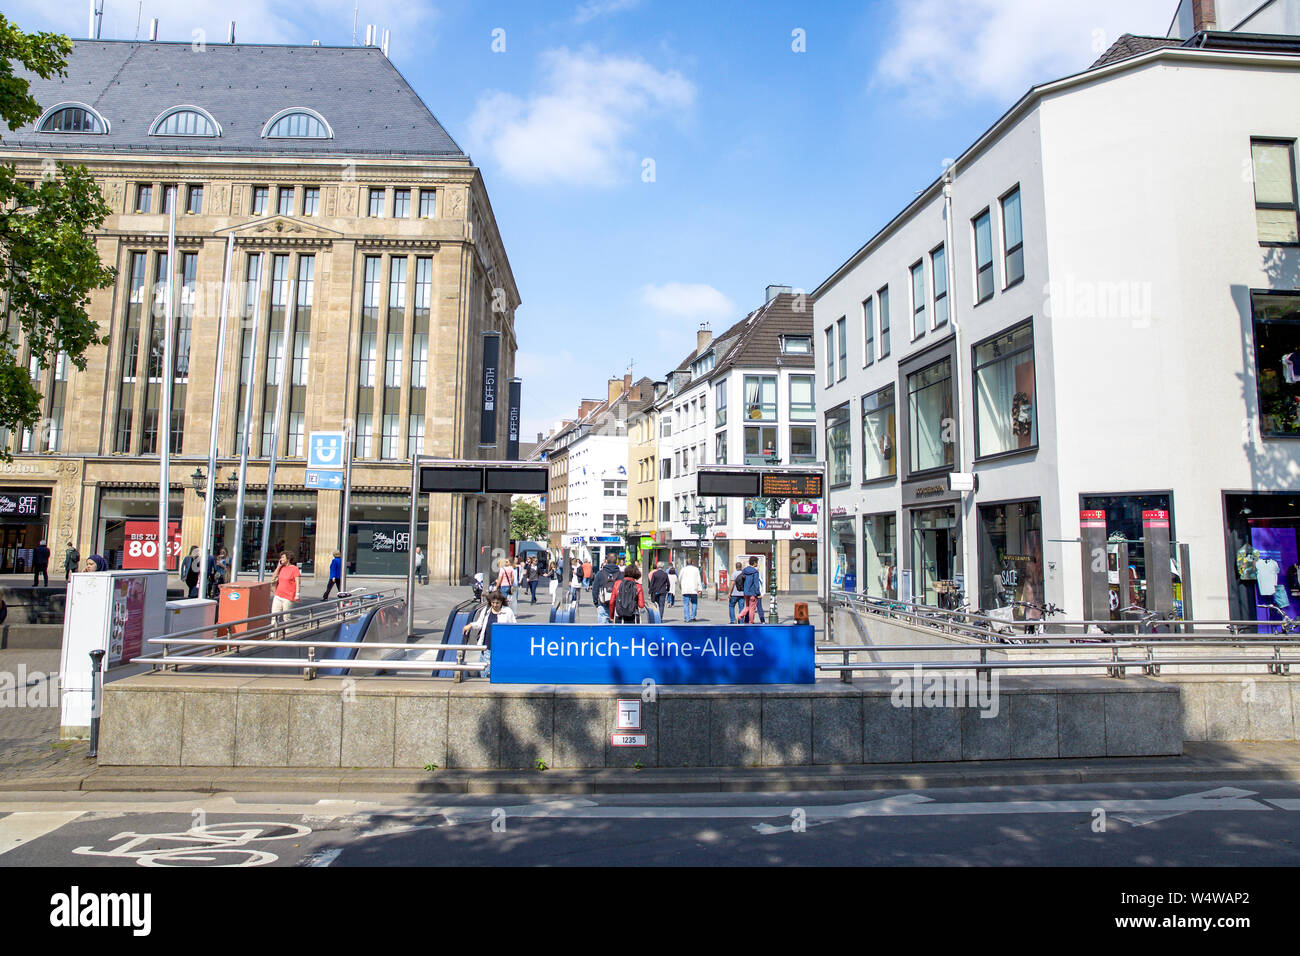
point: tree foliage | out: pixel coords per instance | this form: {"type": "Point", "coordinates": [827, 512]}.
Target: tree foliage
{"type": "Point", "coordinates": [527, 522]}
{"type": "Point", "coordinates": [48, 260]}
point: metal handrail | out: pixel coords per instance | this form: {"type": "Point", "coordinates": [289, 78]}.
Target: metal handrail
{"type": "Point", "coordinates": [1108, 664]}
{"type": "Point", "coordinates": [313, 665]}
{"type": "Point", "coordinates": [1242, 641]}
{"type": "Point", "coordinates": [296, 616]}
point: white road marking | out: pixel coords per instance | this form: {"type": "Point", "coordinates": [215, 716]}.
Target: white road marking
{"type": "Point", "coordinates": [26, 826]}
{"type": "Point", "coordinates": [1286, 803]}
{"type": "Point", "coordinates": [323, 858]}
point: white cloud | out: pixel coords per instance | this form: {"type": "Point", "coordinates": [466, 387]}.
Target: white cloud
{"type": "Point", "coordinates": [591, 9]}
{"type": "Point", "coordinates": [940, 51]}
{"type": "Point", "coordinates": [577, 129]}
{"type": "Point", "coordinates": [695, 300]}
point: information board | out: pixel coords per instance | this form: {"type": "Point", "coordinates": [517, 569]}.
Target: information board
{"type": "Point", "coordinates": [789, 485]}
{"type": "Point", "coordinates": [451, 480]}
{"type": "Point", "coordinates": [726, 484]}
{"type": "Point", "coordinates": [517, 481]}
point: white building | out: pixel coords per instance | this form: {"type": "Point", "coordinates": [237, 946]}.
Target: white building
{"type": "Point", "coordinates": [743, 397]}
{"type": "Point", "coordinates": [1108, 320]}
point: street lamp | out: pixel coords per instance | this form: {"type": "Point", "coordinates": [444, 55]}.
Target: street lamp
{"type": "Point", "coordinates": [704, 520]}
{"type": "Point", "coordinates": [200, 480]}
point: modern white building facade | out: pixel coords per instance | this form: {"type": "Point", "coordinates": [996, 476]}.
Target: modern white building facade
{"type": "Point", "coordinates": [1101, 315]}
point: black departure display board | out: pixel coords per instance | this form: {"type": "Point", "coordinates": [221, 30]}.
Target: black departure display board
{"type": "Point", "coordinates": [790, 485]}
{"type": "Point", "coordinates": [727, 484]}
{"type": "Point", "coordinates": [451, 480]}
{"type": "Point", "coordinates": [516, 481]}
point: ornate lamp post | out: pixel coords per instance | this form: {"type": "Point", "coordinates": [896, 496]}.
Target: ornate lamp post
{"type": "Point", "coordinates": [704, 520]}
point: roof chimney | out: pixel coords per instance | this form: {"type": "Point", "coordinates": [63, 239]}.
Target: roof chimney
{"type": "Point", "coordinates": [702, 338]}
{"type": "Point", "coordinates": [385, 45]}
{"type": "Point", "coordinates": [153, 30]}
{"type": "Point", "coordinates": [615, 389]}
{"type": "Point", "coordinates": [370, 35]}
{"type": "Point", "coordinates": [1203, 17]}
{"type": "Point", "coordinates": [96, 18]}
{"type": "Point", "coordinates": [230, 34]}
{"type": "Point", "coordinates": [774, 290]}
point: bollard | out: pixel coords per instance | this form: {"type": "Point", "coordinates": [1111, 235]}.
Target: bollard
{"type": "Point", "coordinates": [96, 688]}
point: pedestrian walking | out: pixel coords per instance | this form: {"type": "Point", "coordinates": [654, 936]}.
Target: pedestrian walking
{"type": "Point", "coordinates": [692, 584]}
{"type": "Point", "coordinates": [190, 569]}
{"type": "Point", "coordinates": [336, 575]}
{"type": "Point", "coordinates": [659, 588]}
{"type": "Point", "coordinates": [602, 588]}
{"type": "Point", "coordinates": [672, 584]}
{"type": "Point", "coordinates": [287, 581]}
{"type": "Point", "coordinates": [554, 576]}
{"type": "Point", "coordinates": [531, 575]}
{"type": "Point", "coordinates": [41, 565]}
{"type": "Point", "coordinates": [586, 575]}
{"type": "Point", "coordinates": [71, 559]}
{"type": "Point", "coordinates": [505, 580]}
{"type": "Point", "coordinates": [736, 596]}
{"type": "Point", "coordinates": [495, 611]}
{"type": "Point", "coordinates": [751, 589]}
{"type": "Point", "coordinates": [575, 582]}
{"type": "Point", "coordinates": [628, 598]}
{"type": "Point", "coordinates": [421, 566]}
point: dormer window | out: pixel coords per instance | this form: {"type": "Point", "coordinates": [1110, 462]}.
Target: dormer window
{"type": "Point", "coordinates": [702, 365]}
{"type": "Point", "coordinates": [185, 121]}
{"type": "Point", "coordinates": [298, 123]}
{"type": "Point", "coordinates": [72, 118]}
{"type": "Point", "coordinates": [796, 345]}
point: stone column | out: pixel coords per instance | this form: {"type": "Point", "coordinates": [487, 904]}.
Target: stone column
{"type": "Point", "coordinates": [329, 507]}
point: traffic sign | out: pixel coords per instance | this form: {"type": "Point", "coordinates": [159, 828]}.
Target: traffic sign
{"type": "Point", "coordinates": [323, 478]}
{"type": "Point", "coordinates": [773, 524]}
{"type": "Point", "coordinates": [325, 450]}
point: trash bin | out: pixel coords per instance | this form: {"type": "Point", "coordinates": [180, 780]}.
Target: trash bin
{"type": "Point", "coordinates": [244, 599]}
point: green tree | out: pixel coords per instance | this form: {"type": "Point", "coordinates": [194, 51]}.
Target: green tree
{"type": "Point", "coordinates": [527, 522]}
{"type": "Point", "coordinates": [48, 260]}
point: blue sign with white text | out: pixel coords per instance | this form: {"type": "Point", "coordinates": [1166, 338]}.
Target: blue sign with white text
{"type": "Point", "coordinates": [316, 478]}
{"type": "Point", "coordinates": [629, 653]}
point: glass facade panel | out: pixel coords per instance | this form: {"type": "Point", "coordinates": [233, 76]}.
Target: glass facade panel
{"type": "Point", "coordinates": [839, 444]}
{"type": "Point", "coordinates": [1011, 556]}
{"type": "Point", "coordinates": [878, 431]}
{"type": "Point", "coordinates": [880, 556]}
{"type": "Point", "coordinates": [1004, 392]}
{"type": "Point", "coordinates": [932, 431]}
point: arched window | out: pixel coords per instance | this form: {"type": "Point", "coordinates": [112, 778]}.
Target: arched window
{"type": "Point", "coordinates": [72, 118]}
{"type": "Point", "coordinates": [185, 121]}
{"type": "Point", "coordinates": [297, 123]}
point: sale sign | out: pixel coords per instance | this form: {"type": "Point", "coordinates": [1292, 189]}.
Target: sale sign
{"type": "Point", "coordinates": [140, 551]}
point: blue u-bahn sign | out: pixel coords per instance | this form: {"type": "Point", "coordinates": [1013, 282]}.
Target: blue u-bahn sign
{"type": "Point", "coordinates": [667, 654]}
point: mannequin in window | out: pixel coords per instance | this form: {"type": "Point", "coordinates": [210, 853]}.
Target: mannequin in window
{"type": "Point", "coordinates": [1247, 557]}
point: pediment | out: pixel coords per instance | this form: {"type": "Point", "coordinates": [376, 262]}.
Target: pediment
{"type": "Point", "coordinates": [285, 226]}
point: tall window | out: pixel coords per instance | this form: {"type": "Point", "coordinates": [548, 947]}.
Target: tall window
{"type": "Point", "coordinates": [194, 202]}
{"type": "Point", "coordinates": [760, 443]}
{"type": "Point", "coordinates": [868, 331]}
{"type": "Point", "coordinates": [284, 201]}
{"type": "Point", "coordinates": [983, 257]}
{"type": "Point", "coordinates": [393, 357]}
{"type": "Point", "coordinates": [830, 356]}
{"type": "Point", "coordinates": [939, 279]}
{"type": "Point", "coordinates": [1004, 392]}
{"type": "Point", "coordinates": [760, 398]}
{"type": "Point", "coordinates": [311, 201]}
{"type": "Point", "coordinates": [277, 331]}
{"type": "Point", "coordinates": [1275, 191]}
{"type": "Point", "coordinates": [376, 202]}
{"type": "Point", "coordinates": [181, 350]}
{"type": "Point", "coordinates": [252, 280]}
{"type": "Point", "coordinates": [931, 429]}
{"type": "Point", "coordinates": [419, 356]}
{"type": "Point", "coordinates": [130, 353]}
{"type": "Point", "coordinates": [169, 198]}
{"type": "Point", "coordinates": [58, 398]}
{"type": "Point", "coordinates": [918, 300]}
{"type": "Point", "coordinates": [842, 338]}
{"type": "Point", "coordinates": [803, 407]}
{"type": "Point", "coordinates": [260, 196]}
{"type": "Point", "coordinates": [883, 296]}
{"type": "Point", "coordinates": [1276, 320]}
{"type": "Point", "coordinates": [143, 197]}
{"type": "Point", "coordinates": [720, 404]}
{"type": "Point", "coordinates": [803, 444]}
{"type": "Point", "coordinates": [1013, 262]}
{"type": "Point", "coordinates": [428, 203]}
{"type": "Point", "coordinates": [301, 356]}
{"type": "Point", "coordinates": [878, 458]}
{"type": "Point", "coordinates": [402, 203]}
{"type": "Point", "coordinates": [720, 448]}
{"type": "Point", "coordinates": [154, 364]}
{"type": "Point", "coordinates": [367, 359]}
{"type": "Point", "coordinates": [838, 444]}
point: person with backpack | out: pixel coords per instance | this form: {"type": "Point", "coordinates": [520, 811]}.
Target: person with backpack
{"type": "Point", "coordinates": [628, 599]}
{"type": "Point", "coordinates": [602, 588]}
{"type": "Point", "coordinates": [71, 560]}
{"type": "Point", "coordinates": [752, 589]}
{"type": "Point", "coordinates": [736, 596]}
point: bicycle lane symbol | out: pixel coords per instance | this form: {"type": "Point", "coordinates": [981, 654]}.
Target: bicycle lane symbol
{"type": "Point", "coordinates": [216, 844]}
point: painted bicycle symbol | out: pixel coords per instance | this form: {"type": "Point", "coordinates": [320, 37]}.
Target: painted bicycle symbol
{"type": "Point", "coordinates": [216, 844]}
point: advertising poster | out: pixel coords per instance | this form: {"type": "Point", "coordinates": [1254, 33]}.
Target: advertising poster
{"type": "Point", "coordinates": [126, 629]}
{"type": "Point", "coordinates": [140, 547]}
{"type": "Point", "coordinates": [488, 420]}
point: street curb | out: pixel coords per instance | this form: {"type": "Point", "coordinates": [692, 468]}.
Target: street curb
{"type": "Point", "coordinates": [645, 781]}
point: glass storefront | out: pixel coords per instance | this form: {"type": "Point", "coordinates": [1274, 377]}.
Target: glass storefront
{"type": "Point", "coordinates": [1011, 556]}
{"type": "Point", "coordinates": [844, 572]}
{"type": "Point", "coordinates": [880, 556]}
{"type": "Point", "coordinates": [1124, 524]}
{"type": "Point", "coordinates": [1262, 528]}
{"type": "Point", "coordinates": [379, 534]}
{"type": "Point", "coordinates": [117, 506]}
{"type": "Point", "coordinates": [934, 555]}
{"type": "Point", "coordinates": [803, 566]}
{"type": "Point", "coordinates": [24, 516]}
{"type": "Point", "coordinates": [293, 528]}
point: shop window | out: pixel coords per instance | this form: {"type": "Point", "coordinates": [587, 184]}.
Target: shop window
{"type": "Point", "coordinates": [1004, 393]}
{"type": "Point", "coordinates": [1011, 557]}
{"type": "Point", "coordinates": [931, 428]}
{"type": "Point", "coordinates": [1124, 525]}
{"type": "Point", "coordinates": [1013, 260]}
{"type": "Point", "coordinates": [844, 570]}
{"type": "Point", "coordinates": [880, 556]}
{"type": "Point", "coordinates": [839, 444]}
{"type": "Point", "coordinates": [803, 512]}
{"type": "Point", "coordinates": [878, 458]}
{"type": "Point", "coordinates": [983, 226]}
{"type": "Point", "coordinates": [1275, 192]}
{"type": "Point", "coordinates": [1277, 363]}
{"type": "Point", "coordinates": [934, 556]}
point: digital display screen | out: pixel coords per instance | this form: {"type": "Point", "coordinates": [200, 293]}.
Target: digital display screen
{"type": "Point", "coordinates": [451, 480]}
{"type": "Point", "coordinates": [780, 485]}
{"type": "Point", "coordinates": [727, 484]}
{"type": "Point", "coordinates": [517, 481]}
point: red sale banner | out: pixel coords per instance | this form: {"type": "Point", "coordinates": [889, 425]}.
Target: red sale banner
{"type": "Point", "coordinates": [140, 551]}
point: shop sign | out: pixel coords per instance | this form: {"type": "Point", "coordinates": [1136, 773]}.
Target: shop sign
{"type": "Point", "coordinates": [606, 539]}
{"type": "Point", "coordinates": [806, 534]}
{"type": "Point", "coordinates": [838, 511]}
{"type": "Point", "coordinates": [926, 491]}
{"type": "Point", "coordinates": [391, 540]}
{"type": "Point", "coordinates": [1156, 519]}
{"type": "Point", "coordinates": [719, 534]}
{"type": "Point", "coordinates": [20, 506]}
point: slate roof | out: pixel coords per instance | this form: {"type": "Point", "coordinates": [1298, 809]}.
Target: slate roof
{"type": "Point", "coordinates": [1130, 45]}
{"type": "Point", "coordinates": [367, 102]}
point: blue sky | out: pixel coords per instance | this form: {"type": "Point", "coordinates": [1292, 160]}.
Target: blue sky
{"type": "Point", "coordinates": [771, 164]}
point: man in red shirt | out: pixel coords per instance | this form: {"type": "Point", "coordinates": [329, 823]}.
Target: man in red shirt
{"type": "Point", "coordinates": [287, 580]}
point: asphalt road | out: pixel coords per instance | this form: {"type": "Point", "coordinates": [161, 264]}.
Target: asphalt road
{"type": "Point", "coordinates": [1148, 825]}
